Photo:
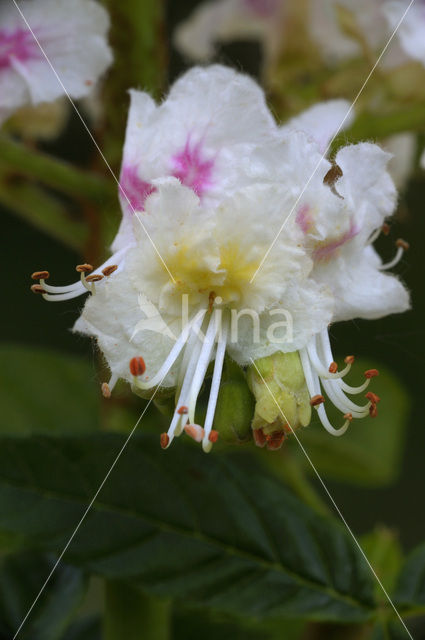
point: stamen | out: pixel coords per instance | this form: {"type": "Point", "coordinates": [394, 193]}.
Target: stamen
{"type": "Point", "coordinates": [333, 367]}
{"type": "Point", "coordinates": [372, 397]}
{"type": "Point", "coordinates": [182, 411]}
{"type": "Point", "coordinates": [385, 229]}
{"type": "Point", "coordinates": [349, 359]}
{"type": "Point", "coordinates": [371, 373]}
{"type": "Point", "coordinates": [316, 400]}
{"type": "Point", "coordinates": [94, 278]}
{"type": "Point", "coordinates": [275, 440]}
{"type": "Point", "coordinates": [211, 299]}
{"type": "Point", "coordinates": [107, 271]}
{"type": "Point", "coordinates": [164, 440]}
{"type": "Point", "coordinates": [84, 268]}
{"type": "Point", "coordinates": [137, 366]}
{"type": "Point", "coordinates": [37, 288]}
{"type": "Point", "coordinates": [373, 411]}
{"type": "Point", "coordinates": [402, 246]}
{"type": "Point", "coordinates": [348, 416]}
{"type": "Point", "coordinates": [215, 383]}
{"type": "Point", "coordinates": [202, 365]}
{"type": "Point", "coordinates": [213, 436]}
{"type": "Point", "coordinates": [194, 431]}
{"type": "Point", "coordinates": [40, 275]}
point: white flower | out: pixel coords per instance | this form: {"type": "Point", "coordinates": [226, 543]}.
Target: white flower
{"type": "Point", "coordinates": [411, 32]}
{"type": "Point", "coordinates": [227, 20]}
{"type": "Point", "coordinates": [72, 34]}
{"type": "Point", "coordinates": [248, 232]}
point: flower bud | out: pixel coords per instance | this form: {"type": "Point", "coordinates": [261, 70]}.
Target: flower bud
{"type": "Point", "coordinates": [235, 407]}
{"type": "Point", "coordinates": [279, 391]}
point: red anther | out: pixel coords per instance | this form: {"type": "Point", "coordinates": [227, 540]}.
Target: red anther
{"type": "Point", "coordinates": [372, 397]}
{"type": "Point", "coordinates": [371, 373]}
{"type": "Point", "coordinates": [316, 400]}
{"type": "Point", "coordinates": [259, 437]}
{"type": "Point", "coordinates": [333, 367]}
{"type": "Point", "coordinates": [373, 411]}
{"type": "Point", "coordinates": [385, 229]}
{"type": "Point", "coordinates": [182, 411]}
{"type": "Point", "coordinates": [195, 431]}
{"type": "Point", "coordinates": [137, 366]}
{"type": "Point", "coordinates": [84, 268]}
{"type": "Point", "coordinates": [40, 275]}
{"type": "Point", "coordinates": [402, 244]}
{"type": "Point", "coordinates": [165, 440]}
{"type": "Point", "coordinates": [334, 174]}
{"type": "Point", "coordinates": [106, 392]}
{"type": "Point", "coordinates": [211, 299]}
{"type": "Point", "coordinates": [37, 288]}
{"type": "Point", "coordinates": [213, 436]}
{"type": "Point", "coordinates": [275, 440]}
{"type": "Point", "coordinates": [349, 359]}
{"type": "Point", "coordinates": [108, 270]}
{"type": "Point", "coordinates": [348, 416]}
{"type": "Point", "coordinates": [94, 278]}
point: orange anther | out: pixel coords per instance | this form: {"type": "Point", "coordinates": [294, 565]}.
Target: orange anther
{"type": "Point", "coordinates": [165, 440]}
{"type": "Point", "coordinates": [316, 400]}
{"type": "Point", "coordinates": [333, 367]}
{"type": "Point", "coordinates": [94, 278]}
{"type": "Point", "coordinates": [349, 359]}
{"type": "Point", "coordinates": [402, 244]}
{"type": "Point", "coordinates": [213, 436]}
{"type": "Point", "coordinates": [137, 366]}
{"type": "Point", "coordinates": [373, 411]}
{"type": "Point", "coordinates": [40, 275]}
{"type": "Point", "coordinates": [108, 270]}
{"type": "Point", "coordinates": [275, 440]}
{"type": "Point", "coordinates": [84, 268]}
{"type": "Point", "coordinates": [372, 397]}
{"type": "Point", "coordinates": [371, 373]}
{"type": "Point", "coordinates": [182, 410]}
{"type": "Point", "coordinates": [348, 416]}
{"type": "Point", "coordinates": [106, 392]}
{"type": "Point", "coordinates": [37, 288]}
{"type": "Point", "coordinates": [385, 229]}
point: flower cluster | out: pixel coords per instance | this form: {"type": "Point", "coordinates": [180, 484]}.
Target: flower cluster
{"type": "Point", "coordinates": [231, 216]}
{"type": "Point", "coordinates": [47, 40]}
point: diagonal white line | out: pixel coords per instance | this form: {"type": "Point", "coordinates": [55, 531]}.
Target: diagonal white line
{"type": "Point", "coordinates": [338, 510]}
{"type": "Point", "coordinates": [74, 533]}
{"type": "Point", "coordinates": [332, 140]}
{"type": "Point", "coordinates": [74, 106]}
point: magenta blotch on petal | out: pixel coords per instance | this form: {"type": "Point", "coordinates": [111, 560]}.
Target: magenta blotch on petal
{"type": "Point", "coordinates": [327, 250]}
{"type": "Point", "coordinates": [192, 169]}
{"type": "Point", "coordinates": [19, 45]}
{"type": "Point", "coordinates": [133, 189]}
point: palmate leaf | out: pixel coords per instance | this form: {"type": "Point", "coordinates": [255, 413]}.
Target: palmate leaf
{"type": "Point", "coordinates": [410, 589]}
{"type": "Point", "coordinates": [215, 531]}
{"type": "Point", "coordinates": [21, 577]}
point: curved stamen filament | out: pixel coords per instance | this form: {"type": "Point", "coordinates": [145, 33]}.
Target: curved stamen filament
{"type": "Point", "coordinates": [215, 384]}
{"type": "Point", "coordinates": [402, 246]}
{"type": "Point", "coordinates": [202, 365]}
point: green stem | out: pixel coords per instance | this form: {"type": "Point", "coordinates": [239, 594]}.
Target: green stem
{"type": "Point", "coordinates": [55, 173]}
{"type": "Point", "coordinates": [133, 615]}
{"type": "Point", "coordinates": [44, 212]}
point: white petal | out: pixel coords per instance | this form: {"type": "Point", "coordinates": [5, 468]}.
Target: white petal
{"type": "Point", "coordinates": [366, 185]}
{"type": "Point", "coordinates": [323, 121]}
{"type": "Point", "coordinates": [411, 31]}
{"type": "Point", "coordinates": [360, 289]}
{"type": "Point", "coordinates": [402, 147]}
{"type": "Point", "coordinates": [72, 34]}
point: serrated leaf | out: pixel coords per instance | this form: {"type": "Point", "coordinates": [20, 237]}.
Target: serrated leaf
{"type": "Point", "coordinates": [410, 589]}
{"type": "Point", "coordinates": [21, 578]}
{"type": "Point", "coordinates": [36, 388]}
{"type": "Point", "coordinates": [216, 531]}
{"type": "Point", "coordinates": [370, 452]}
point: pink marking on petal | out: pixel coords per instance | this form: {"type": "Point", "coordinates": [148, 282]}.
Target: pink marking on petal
{"type": "Point", "coordinates": [262, 8]}
{"type": "Point", "coordinates": [304, 219]}
{"type": "Point", "coordinates": [133, 188]}
{"type": "Point", "coordinates": [192, 169]}
{"type": "Point", "coordinates": [327, 250]}
{"type": "Point", "coordinates": [18, 44]}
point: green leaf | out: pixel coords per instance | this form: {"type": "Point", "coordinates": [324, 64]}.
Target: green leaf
{"type": "Point", "coordinates": [370, 453]}
{"type": "Point", "coordinates": [21, 578]}
{"type": "Point", "coordinates": [410, 590]}
{"type": "Point", "coordinates": [383, 550]}
{"type": "Point", "coordinates": [216, 531]}
{"type": "Point", "coordinates": [85, 629]}
{"type": "Point", "coordinates": [35, 391]}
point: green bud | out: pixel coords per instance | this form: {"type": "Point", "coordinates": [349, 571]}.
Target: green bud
{"type": "Point", "coordinates": [284, 376]}
{"type": "Point", "coordinates": [235, 406]}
